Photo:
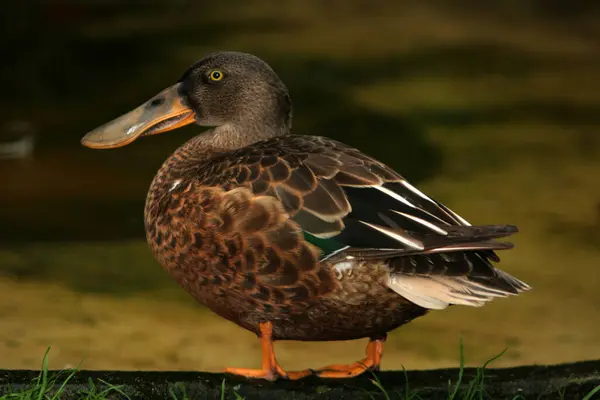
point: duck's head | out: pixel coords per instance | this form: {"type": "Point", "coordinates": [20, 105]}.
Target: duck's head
{"type": "Point", "coordinates": [236, 91]}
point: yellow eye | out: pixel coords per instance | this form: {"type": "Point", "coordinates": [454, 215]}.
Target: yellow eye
{"type": "Point", "coordinates": [215, 75]}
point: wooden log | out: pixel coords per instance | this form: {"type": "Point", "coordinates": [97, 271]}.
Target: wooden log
{"type": "Point", "coordinates": [565, 381]}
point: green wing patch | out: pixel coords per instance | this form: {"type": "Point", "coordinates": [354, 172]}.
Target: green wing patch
{"type": "Point", "coordinates": [327, 246]}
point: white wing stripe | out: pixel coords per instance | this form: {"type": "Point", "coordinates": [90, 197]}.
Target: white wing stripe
{"type": "Point", "coordinates": [406, 239]}
{"type": "Point", "coordinates": [421, 194]}
{"type": "Point", "coordinates": [416, 191]}
{"type": "Point", "coordinates": [427, 224]}
{"type": "Point", "coordinates": [394, 195]}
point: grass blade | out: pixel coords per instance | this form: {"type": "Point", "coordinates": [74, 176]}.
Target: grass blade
{"type": "Point", "coordinates": [460, 372]}
{"type": "Point", "coordinates": [593, 392]}
{"type": "Point", "coordinates": [43, 378]}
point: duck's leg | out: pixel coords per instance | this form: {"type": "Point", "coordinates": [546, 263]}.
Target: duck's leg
{"type": "Point", "coordinates": [370, 363]}
{"type": "Point", "coordinates": [270, 368]}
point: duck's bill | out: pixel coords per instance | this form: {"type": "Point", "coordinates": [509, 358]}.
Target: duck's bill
{"type": "Point", "coordinates": [164, 112]}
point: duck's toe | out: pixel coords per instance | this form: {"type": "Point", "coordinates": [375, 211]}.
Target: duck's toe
{"type": "Point", "coordinates": [345, 371]}
{"type": "Point", "coordinates": [269, 374]}
{"type": "Point", "coordinates": [370, 363]}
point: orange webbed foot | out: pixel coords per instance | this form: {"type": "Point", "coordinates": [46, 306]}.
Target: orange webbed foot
{"type": "Point", "coordinates": [271, 370]}
{"type": "Point", "coordinates": [370, 363]}
{"type": "Point", "coordinates": [268, 374]}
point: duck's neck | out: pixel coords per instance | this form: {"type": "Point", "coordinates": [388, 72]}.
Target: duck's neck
{"type": "Point", "coordinates": [269, 118]}
{"type": "Point", "coordinates": [272, 118]}
{"type": "Point", "coordinates": [224, 138]}
{"type": "Point", "coordinates": [233, 136]}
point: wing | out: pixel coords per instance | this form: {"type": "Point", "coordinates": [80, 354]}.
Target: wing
{"type": "Point", "coordinates": [346, 201]}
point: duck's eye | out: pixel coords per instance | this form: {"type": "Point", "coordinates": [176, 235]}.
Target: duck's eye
{"type": "Point", "coordinates": [215, 75]}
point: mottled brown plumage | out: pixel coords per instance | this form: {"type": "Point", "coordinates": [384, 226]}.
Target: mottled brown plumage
{"type": "Point", "coordinates": [297, 237]}
{"type": "Point", "coordinates": [232, 233]}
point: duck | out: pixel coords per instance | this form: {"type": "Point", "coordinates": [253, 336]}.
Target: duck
{"type": "Point", "coordinates": [293, 236]}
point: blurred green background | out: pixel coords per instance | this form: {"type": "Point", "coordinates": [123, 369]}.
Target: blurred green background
{"type": "Point", "coordinates": [490, 107]}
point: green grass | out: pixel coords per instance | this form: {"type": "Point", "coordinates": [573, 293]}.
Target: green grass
{"type": "Point", "coordinates": [462, 390]}
{"type": "Point", "coordinates": [51, 386]}
{"type": "Point", "coordinates": [475, 389]}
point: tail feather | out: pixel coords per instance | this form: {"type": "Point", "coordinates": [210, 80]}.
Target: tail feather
{"type": "Point", "coordinates": [438, 292]}
{"type": "Point", "coordinates": [455, 273]}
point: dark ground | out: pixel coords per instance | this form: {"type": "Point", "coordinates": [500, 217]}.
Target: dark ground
{"type": "Point", "coordinates": [566, 381]}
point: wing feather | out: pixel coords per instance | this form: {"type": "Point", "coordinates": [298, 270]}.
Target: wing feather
{"type": "Point", "coordinates": [332, 189]}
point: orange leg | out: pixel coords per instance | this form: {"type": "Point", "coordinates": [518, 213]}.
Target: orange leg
{"type": "Point", "coordinates": [270, 368]}
{"type": "Point", "coordinates": [370, 363]}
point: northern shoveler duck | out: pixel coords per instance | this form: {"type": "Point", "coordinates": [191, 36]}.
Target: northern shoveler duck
{"type": "Point", "coordinates": [297, 237]}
